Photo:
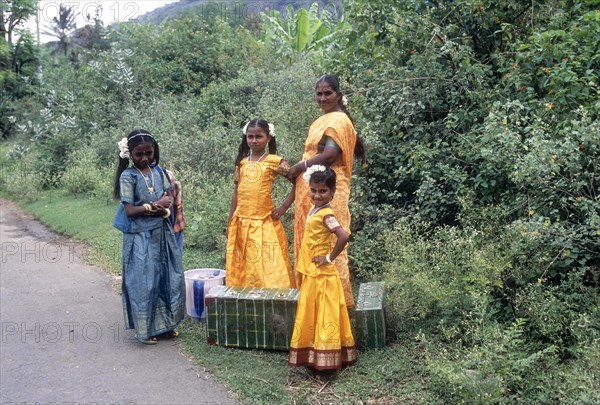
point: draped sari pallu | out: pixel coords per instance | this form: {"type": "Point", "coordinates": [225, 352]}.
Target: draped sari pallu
{"type": "Point", "coordinates": [251, 318]}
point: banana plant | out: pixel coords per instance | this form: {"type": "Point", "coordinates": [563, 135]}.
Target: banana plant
{"type": "Point", "coordinates": [299, 32]}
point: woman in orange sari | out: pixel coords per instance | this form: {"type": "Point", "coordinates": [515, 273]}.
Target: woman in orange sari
{"type": "Point", "coordinates": [332, 142]}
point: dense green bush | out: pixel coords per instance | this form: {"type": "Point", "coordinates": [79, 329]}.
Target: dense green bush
{"type": "Point", "coordinates": [447, 289]}
{"type": "Point", "coordinates": [184, 55]}
{"type": "Point", "coordinates": [84, 176]}
{"type": "Point", "coordinates": [480, 120]}
{"type": "Point", "coordinates": [472, 123]}
{"type": "Point", "coordinates": [207, 198]}
{"type": "Point", "coordinates": [435, 278]}
{"type": "Point", "coordinates": [19, 177]}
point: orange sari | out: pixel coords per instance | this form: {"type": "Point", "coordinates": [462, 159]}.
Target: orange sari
{"type": "Point", "coordinates": [337, 126]}
{"type": "Point", "coordinates": [257, 248]}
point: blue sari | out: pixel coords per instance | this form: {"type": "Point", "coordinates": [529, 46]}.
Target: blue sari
{"type": "Point", "coordinates": [153, 281]}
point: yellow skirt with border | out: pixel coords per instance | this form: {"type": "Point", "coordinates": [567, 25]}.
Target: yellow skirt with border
{"type": "Point", "coordinates": [257, 254]}
{"type": "Point", "coordinates": [322, 337]}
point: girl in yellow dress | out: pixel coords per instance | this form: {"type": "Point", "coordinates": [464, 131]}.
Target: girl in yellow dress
{"type": "Point", "coordinates": [257, 247]}
{"type": "Point", "coordinates": [322, 337]}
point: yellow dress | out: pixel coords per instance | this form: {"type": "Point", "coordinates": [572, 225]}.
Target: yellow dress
{"type": "Point", "coordinates": [337, 126]}
{"type": "Point", "coordinates": [257, 247]}
{"type": "Point", "coordinates": [322, 337]}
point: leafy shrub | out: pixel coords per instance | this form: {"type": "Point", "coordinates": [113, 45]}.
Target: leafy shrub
{"type": "Point", "coordinates": [84, 176]}
{"type": "Point", "coordinates": [184, 55]}
{"type": "Point", "coordinates": [503, 367]}
{"type": "Point", "coordinates": [52, 134]}
{"type": "Point", "coordinates": [20, 178]}
{"type": "Point", "coordinates": [207, 199]}
{"type": "Point", "coordinates": [458, 105]}
{"type": "Point", "coordinates": [370, 227]}
{"type": "Point", "coordinates": [284, 98]}
{"type": "Point", "coordinates": [561, 315]}
{"type": "Point", "coordinates": [434, 276]}
{"type": "Point", "coordinates": [499, 364]}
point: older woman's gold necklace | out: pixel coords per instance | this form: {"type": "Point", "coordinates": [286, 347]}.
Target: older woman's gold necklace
{"type": "Point", "coordinates": [151, 175]}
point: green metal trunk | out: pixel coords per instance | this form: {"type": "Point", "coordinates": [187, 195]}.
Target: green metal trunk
{"type": "Point", "coordinates": [369, 316]}
{"type": "Point", "coordinates": [253, 318]}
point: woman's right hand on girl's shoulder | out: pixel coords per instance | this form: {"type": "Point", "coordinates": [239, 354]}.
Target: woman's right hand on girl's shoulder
{"type": "Point", "coordinates": [295, 171]}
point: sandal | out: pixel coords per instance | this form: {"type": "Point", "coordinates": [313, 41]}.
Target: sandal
{"type": "Point", "coordinates": [150, 341]}
{"type": "Point", "coordinates": [172, 334]}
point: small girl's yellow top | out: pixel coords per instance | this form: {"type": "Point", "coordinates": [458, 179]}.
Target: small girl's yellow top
{"type": "Point", "coordinates": [318, 240]}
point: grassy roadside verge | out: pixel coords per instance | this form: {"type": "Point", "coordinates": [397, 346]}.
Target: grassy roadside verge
{"type": "Point", "coordinates": [389, 376]}
{"type": "Point", "coordinates": [85, 220]}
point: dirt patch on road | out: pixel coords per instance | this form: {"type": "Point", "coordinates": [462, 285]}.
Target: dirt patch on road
{"type": "Point", "coordinates": [25, 222]}
{"type": "Point", "coordinates": [27, 225]}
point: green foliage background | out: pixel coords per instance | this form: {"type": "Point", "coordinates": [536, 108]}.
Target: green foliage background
{"type": "Point", "coordinates": [478, 204]}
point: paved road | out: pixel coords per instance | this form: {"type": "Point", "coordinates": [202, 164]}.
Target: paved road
{"type": "Point", "coordinates": [62, 331]}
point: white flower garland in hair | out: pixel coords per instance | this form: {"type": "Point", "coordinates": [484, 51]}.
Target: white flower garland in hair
{"type": "Point", "coordinates": [123, 149]}
{"type": "Point", "coordinates": [345, 101]}
{"type": "Point", "coordinates": [312, 169]}
{"type": "Point", "coordinates": [271, 129]}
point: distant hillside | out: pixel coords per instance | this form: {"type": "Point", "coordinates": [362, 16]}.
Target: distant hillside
{"type": "Point", "coordinates": [237, 9]}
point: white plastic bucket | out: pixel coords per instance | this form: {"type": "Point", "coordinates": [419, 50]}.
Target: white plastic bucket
{"type": "Point", "coordinates": [197, 284]}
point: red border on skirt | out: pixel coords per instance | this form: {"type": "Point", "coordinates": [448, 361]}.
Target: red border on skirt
{"type": "Point", "coordinates": [306, 350]}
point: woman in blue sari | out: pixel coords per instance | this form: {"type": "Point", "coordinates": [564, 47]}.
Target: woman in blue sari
{"type": "Point", "coordinates": [153, 281]}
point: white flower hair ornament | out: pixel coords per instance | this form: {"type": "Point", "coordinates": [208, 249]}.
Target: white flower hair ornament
{"type": "Point", "coordinates": [311, 170]}
{"type": "Point", "coordinates": [123, 149]}
{"type": "Point", "coordinates": [345, 101]}
{"type": "Point", "coordinates": [271, 129]}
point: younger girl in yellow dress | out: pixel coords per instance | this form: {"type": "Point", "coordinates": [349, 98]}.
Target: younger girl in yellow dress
{"type": "Point", "coordinates": [257, 247]}
{"type": "Point", "coordinates": [322, 337]}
